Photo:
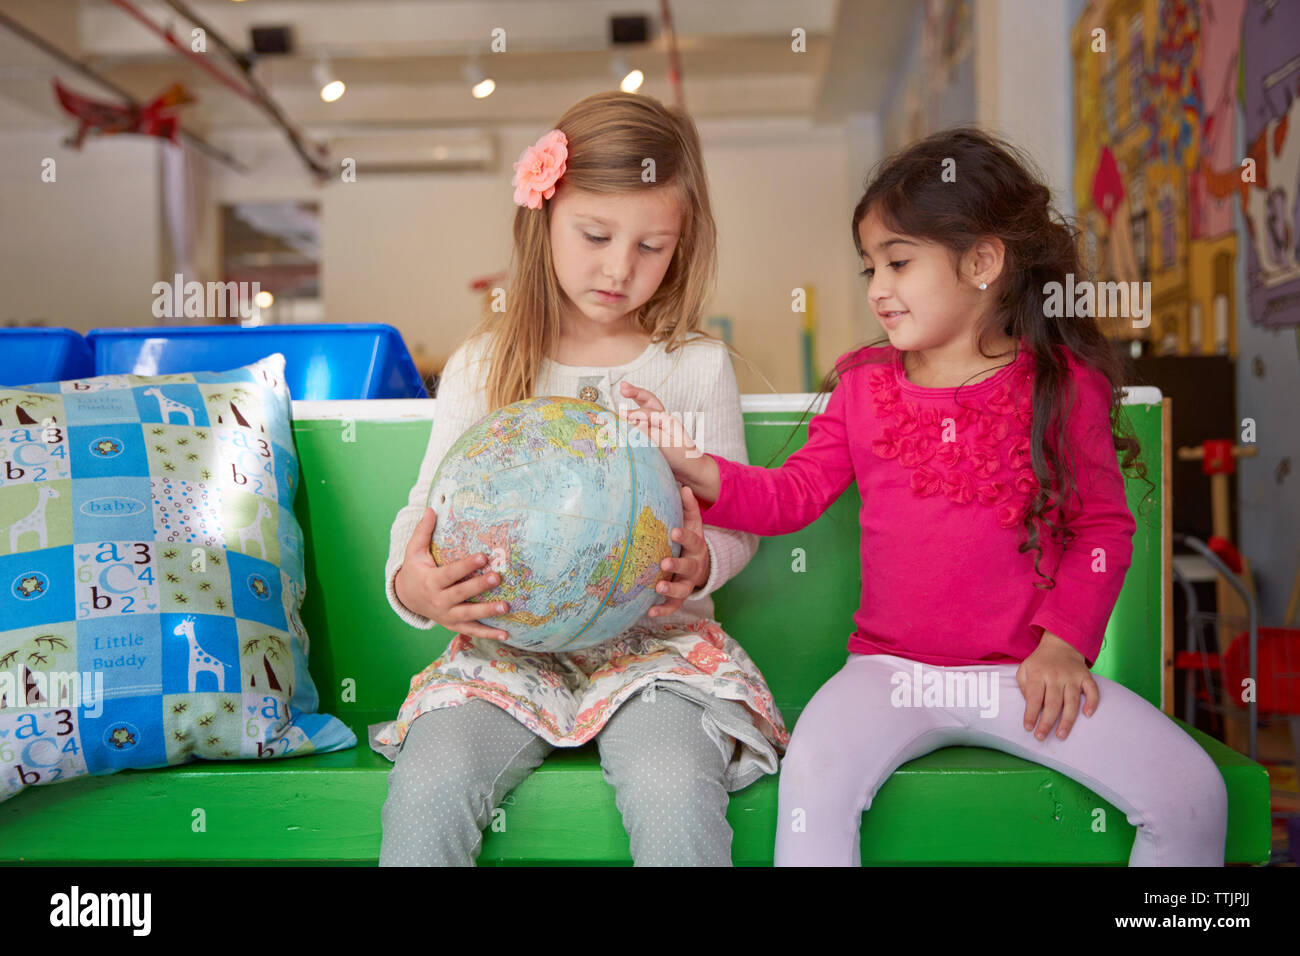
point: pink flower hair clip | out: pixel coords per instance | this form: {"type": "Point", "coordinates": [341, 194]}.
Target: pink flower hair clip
{"type": "Point", "coordinates": [539, 168]}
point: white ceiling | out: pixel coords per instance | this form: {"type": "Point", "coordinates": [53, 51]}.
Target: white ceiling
{"type": "Point", "coordinates": [404, 60]}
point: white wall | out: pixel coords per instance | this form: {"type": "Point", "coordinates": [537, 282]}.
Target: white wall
{"type": "Point", "coordinates": [783, 195]}
{"type": "Point", "coordinates": [1023, 83]}
{"type": "Point", "coordinates": [84, 250]}
{"type": "Point", "coordinates": [866, 149]}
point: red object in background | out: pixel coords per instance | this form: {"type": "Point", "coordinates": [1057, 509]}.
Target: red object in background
{"type": "Point", "coordinates": [1107, 185]}
{"type": "Point", "coordinates": [1218, 459]}
{"type": "Point", "coordinates": [1278, 689]}
{"type": "Point", "coordinates": [1226, 553]}
{"type": "Point", "coordinates": [486, 282]}
{"type": "Point", "coordinates": [153, 119]}
{"type": "Point", "coordinates": [1195, 660]}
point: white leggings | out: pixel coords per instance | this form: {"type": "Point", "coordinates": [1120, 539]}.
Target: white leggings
{"type": "Point", "coordinates": [854, 734]}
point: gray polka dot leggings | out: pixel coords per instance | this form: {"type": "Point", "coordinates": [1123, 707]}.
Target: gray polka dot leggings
{"type": "Point", "coordinates": [456, 764]}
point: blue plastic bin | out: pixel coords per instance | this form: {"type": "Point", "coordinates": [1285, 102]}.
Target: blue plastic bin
{"type": "Point", "coordinates": [29, 356]}
{"type": "Point", "coordinates": [321, 361]}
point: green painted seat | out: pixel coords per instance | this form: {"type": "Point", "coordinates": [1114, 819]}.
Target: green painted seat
{"type": "Point", "coordinates": [957, 805]}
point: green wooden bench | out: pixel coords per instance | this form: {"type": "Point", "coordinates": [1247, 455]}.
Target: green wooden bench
{"type": "Point", "coordinates": [957, 805]}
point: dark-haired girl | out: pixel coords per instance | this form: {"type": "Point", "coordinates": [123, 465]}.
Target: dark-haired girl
{"type": "Point", "coordinates": [995, 528]}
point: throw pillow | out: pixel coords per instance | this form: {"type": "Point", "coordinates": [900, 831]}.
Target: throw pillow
{"type": "Point", "coordinates": [151, 575]}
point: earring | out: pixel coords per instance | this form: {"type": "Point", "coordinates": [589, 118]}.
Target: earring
{"type": "Point", "coordinates": [983, 286]}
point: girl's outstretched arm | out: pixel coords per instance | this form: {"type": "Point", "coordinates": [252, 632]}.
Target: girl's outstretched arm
{"type": "Point", "coordinates": [765, 501]}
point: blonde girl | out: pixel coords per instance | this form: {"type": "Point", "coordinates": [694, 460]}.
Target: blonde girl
{"type": "Point", "coordinates": [609, 277]}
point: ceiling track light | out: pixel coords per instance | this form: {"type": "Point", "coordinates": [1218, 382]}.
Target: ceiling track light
{"type": "Point", "coordinates": [632, 82]}
{"type": "Point", "coordinates": [629, 81]}
{"type": "Point", "coordinates": [481, 85]}
{"type": "Point", "coordinates": [330, 86]}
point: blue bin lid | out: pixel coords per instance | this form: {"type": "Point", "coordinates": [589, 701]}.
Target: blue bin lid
{"type": "Point", "coordinates": [322, 361]}
{"type": "Point", "coordinates": [36, 355]}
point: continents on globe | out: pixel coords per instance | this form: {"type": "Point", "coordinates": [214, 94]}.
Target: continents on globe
{"type": "Point", "coordinates": [574, 437]}
{"type": "Point", "coordinates": [518, 581]}
{"type": "Point", "coordinates": [649, 546]}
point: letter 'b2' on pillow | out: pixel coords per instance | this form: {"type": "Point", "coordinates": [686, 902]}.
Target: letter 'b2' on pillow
{"type": "Point", "coordinates": [151, 575]}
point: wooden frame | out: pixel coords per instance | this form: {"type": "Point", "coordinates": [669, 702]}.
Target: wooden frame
{"type": "Point", "coordinates": [1167, 543]}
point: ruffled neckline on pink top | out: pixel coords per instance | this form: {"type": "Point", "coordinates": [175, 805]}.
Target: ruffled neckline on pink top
{"type": "Point", "coordinates": [1001, 375]}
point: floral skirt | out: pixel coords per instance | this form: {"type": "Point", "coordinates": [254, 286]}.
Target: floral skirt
{"type": "Point", "coordinates": [566, 698]}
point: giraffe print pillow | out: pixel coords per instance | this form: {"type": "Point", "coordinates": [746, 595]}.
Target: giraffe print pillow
{"type": "Point", "coordinates": [151, 574]}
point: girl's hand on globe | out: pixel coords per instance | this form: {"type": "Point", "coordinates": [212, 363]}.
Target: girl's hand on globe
{"type": "Point", "coordinates": [691, 569]}
{"type": "Point", "coordinates": [665, 432]}
{"type": "Point", "coordinates": [690, 466]}
{"type": "Point", "coordinates": [442, 593]}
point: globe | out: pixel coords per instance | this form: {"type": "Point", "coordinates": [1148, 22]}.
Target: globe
{"type": "Point", "coordinates": [573, 509]}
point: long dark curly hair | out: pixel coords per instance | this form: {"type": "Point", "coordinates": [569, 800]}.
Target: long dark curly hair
{"type": "Point", "coordinates": [994, 194]}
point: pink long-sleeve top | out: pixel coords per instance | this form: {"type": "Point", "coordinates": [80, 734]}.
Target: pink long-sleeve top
{"type": "Point", "coordinates": [945, 475]}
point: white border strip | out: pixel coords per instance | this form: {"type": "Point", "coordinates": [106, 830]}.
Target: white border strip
{"type": "Point", "coordinates": [423, 409]}
{"type": "Point", "coordinates": [1142, 395]}
{"type": "Point", "coordinates": [366, 409]}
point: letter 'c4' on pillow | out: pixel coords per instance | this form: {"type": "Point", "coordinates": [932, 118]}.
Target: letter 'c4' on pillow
{"type": "Point", "coordinates": [151, 574]}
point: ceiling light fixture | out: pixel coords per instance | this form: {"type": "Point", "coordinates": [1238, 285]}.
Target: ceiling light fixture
{"type": "Point", "coordinates": [331, 87]}
{"type": "Point", "coordinates": [629, 80]}
{"type": "Point", "coordinates": [481, 86]}
{"type": "Point", "coordinates": [632, 82]}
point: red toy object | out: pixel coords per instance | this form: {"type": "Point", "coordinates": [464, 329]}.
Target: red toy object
{"type": "Point", "coordinates": [1107, 186]}
{"type": "Point", "coordinates": [1278, 688]}
{"type": "Point", "coordinates": [1219, 458]}
{"type": "Point", "coordinates": [1226, 553]}
{"type": "Point", "coordinates": [153, 119]}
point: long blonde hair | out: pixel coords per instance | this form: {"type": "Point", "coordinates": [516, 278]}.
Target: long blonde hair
{"type": "Point", "coordinates": [609, 135]}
